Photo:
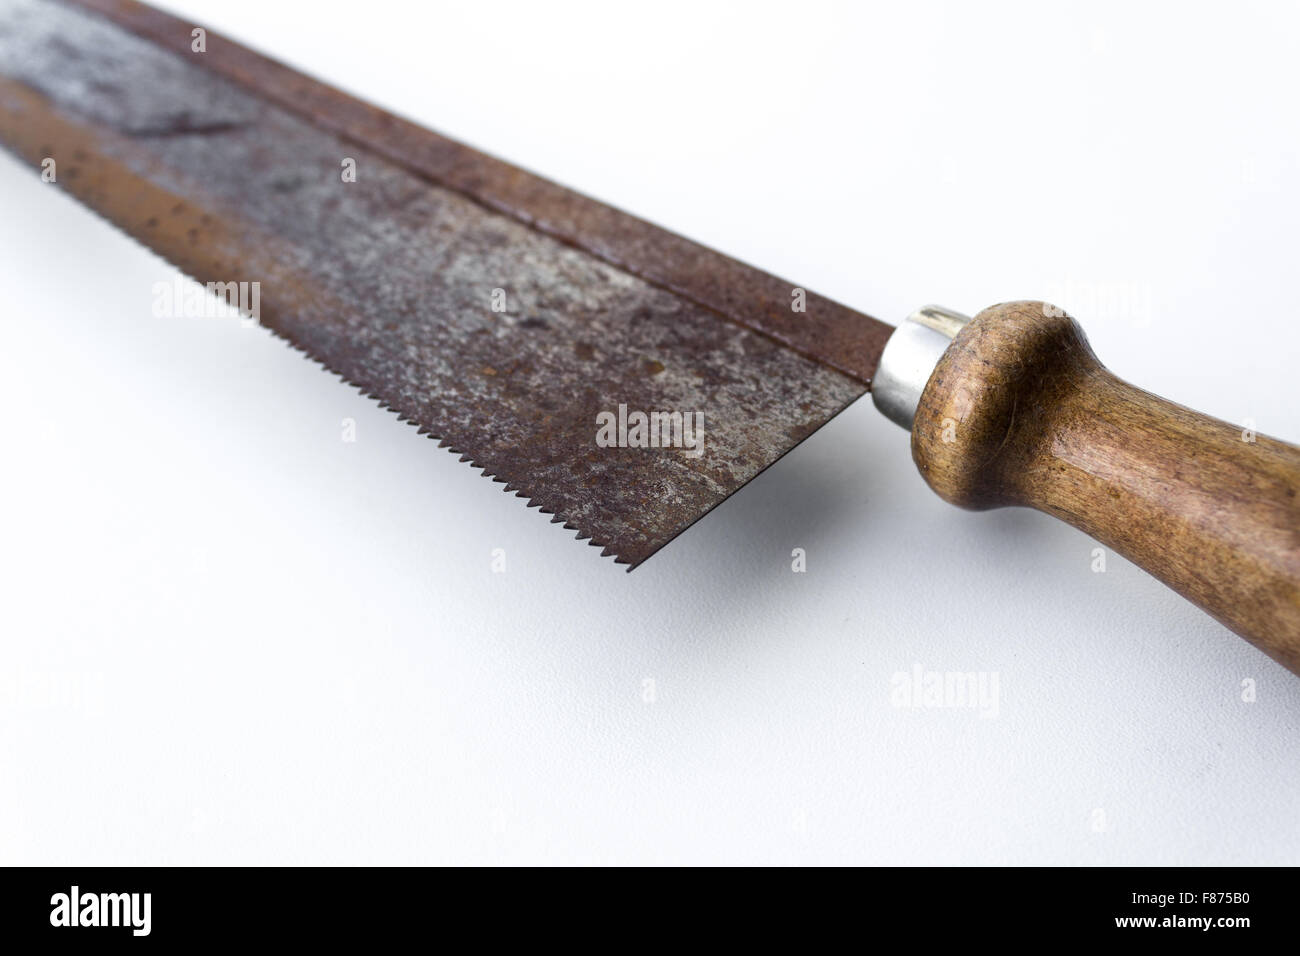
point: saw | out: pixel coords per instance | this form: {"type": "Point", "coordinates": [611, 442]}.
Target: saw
{"type": "Point", "coordinates": [622, 379]}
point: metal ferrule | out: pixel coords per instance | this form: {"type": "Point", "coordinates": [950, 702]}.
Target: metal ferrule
{"type": "Point", "coordinates": [909, 359]}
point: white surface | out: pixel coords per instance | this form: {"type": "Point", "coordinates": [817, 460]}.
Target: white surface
{"type": "Point", "coordinates": [228, 636]}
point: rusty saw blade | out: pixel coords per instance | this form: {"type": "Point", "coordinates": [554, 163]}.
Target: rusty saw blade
{"type": "Point", "coordinates": [523, 325]}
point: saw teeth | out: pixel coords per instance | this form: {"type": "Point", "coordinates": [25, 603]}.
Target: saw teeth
{"type": "Point", "coordinates": [611, 293]}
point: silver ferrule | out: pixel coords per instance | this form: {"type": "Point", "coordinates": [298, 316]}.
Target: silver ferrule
{"type": "Point", "coordinates": [909, 359]}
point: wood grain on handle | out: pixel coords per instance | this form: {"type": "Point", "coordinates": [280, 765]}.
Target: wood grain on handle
{"type": "Point", "coordinates": [1020, 412]}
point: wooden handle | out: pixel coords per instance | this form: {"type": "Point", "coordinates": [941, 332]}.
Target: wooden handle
{"type": "Point", "coordinates": [1020, 412]}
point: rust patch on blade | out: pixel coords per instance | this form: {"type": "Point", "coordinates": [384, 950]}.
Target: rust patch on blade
{"type": "Point", "coordinates": [390, 281]}
{"type": "Point", "coordinates": [828, 332]}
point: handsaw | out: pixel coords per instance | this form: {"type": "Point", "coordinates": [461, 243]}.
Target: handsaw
{"type": "Point", "coordinates": [622, 379]}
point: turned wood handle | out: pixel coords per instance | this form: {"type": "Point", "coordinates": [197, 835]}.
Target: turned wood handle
{"type": "Point", "coordinates": [1019, 411]}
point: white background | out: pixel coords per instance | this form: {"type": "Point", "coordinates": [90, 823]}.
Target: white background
{"type": "Point", "coordinates": [228, 636]}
